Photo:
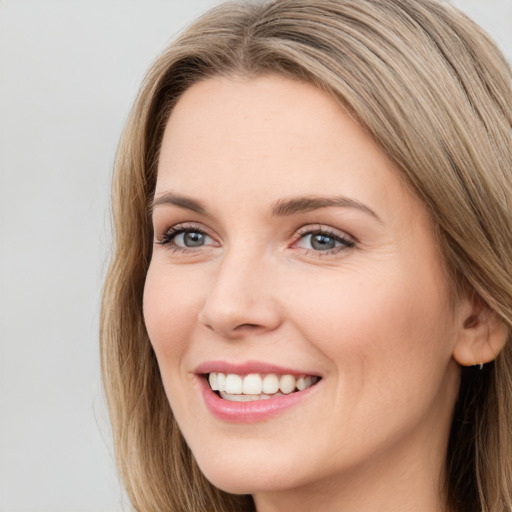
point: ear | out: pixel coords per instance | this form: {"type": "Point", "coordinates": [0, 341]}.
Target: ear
{"type": "Point", "coordinates": [481, 333]}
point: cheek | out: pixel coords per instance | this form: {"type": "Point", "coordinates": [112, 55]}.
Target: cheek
{"type": "Point", "coordinates": [170, 313]}
{"type": "Point", "coordinates": [170, 309]}
{"type": "Point", "coordinates": [388, 346]}
{"type": "Point", "coordinates": [379, 326]}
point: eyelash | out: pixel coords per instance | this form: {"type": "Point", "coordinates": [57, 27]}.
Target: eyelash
{"type": "Point", "coordinates": [345, 242]}
{"type": "Point", "coordinates": [169, 236]}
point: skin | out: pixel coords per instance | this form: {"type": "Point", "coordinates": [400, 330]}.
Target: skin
{"type": "Point", "coordinates": [372, 317]}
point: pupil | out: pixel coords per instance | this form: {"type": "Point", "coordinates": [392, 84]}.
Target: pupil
{"type": "Point", "coordinates": [322, 242]}
{"type": "Point", "coordinates": [192, 239]}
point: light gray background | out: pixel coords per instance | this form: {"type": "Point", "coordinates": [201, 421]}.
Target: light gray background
{"type": "Point", "coordinates": [69, 70]}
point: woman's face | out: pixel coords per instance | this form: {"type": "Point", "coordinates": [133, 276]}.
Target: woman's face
{"type": "Point", "coordinates": [286, 246]}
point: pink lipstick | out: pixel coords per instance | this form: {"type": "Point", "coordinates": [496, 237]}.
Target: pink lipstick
{"type": "Point", "coordinates": [252, 391]}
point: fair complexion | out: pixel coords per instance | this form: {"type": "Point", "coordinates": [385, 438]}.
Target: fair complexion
{"type": "Point", "coordinates": [285, 237]}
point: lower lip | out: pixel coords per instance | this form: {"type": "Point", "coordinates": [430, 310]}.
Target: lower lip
{"type": "Point", "coordinates": [250, 412]}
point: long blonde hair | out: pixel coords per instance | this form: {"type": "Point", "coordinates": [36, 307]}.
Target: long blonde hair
{"type": "Point", "coordinates": [435, 93]}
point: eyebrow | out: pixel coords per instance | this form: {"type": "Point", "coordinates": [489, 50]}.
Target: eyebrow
{"type": "Point", "coordinates": [170, 198]}
{"type": "Point", "coordinates": [284, 207]}
{"type": "Point", "coordinates": [281, 207]}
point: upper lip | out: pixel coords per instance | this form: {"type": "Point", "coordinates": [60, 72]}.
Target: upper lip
{"type": "Point", "coordinates": [248, 367]}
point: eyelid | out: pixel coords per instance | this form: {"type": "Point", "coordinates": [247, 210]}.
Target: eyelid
{"type": "Point", "coordinates": [323, 228]}
{"type": "Point", "coordinates": [347, 241]}
{"type": "Point", "coordinates": [344, 240]}
{"type": "Point", "coordinates": [168, 235]}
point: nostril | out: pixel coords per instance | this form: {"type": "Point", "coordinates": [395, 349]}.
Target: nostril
{"type": "Point", "coordinates": [247, 327]}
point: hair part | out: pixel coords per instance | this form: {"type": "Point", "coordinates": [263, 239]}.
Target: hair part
{"type": "Point", "coordinates": [433, 90]}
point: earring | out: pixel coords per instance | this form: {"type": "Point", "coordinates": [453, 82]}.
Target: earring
{"type": "Point", "coordinates": [480, 366]}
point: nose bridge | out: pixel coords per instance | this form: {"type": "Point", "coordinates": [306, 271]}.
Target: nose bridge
{"type": "Point", "coordinates": [241, 298]}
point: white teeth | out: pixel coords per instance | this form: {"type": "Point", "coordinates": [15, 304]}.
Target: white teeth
{"type": "Point", "coordinates": [252, 384]}
{"type": "Point", "coordinates": [270, 384]}
{"type": "Point", "coordinates": [246, 398]}
{"type": "Point", "coordinates": [303, 382]}
{"type": "Point", "coordinates": [212, 379]}
{"type": "Point", "coordinates": [257, 387]}
{"type": "Point", "coordinates": [287, 384]}
{"type": "Point", "coordinates": [233, 384]}
{"type": "Point", "coordinates": [221, 381]}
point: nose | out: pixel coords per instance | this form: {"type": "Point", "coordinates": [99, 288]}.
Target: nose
{"type": "Point", "coordinates": [241, 299]}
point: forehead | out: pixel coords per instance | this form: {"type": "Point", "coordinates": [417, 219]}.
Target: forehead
{"type": "Point", "coordinates": [270, 137]}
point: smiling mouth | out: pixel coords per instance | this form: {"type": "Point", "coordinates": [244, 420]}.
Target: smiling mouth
{"type": "Point", "coordinates": [257, 386]}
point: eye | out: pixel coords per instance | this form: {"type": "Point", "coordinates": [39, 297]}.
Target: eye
{"type": "Point", "coordinates": [185, 238]}
{"type": "Point", "coordinates": [322, 240]}
{"type": "Point", "coordinates": [190, 239]}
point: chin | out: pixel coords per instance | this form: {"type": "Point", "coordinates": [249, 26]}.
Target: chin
{"type": "Point", "coordinates": [241, 475]}
{"type": "Point", "coordinates": [249, 483]}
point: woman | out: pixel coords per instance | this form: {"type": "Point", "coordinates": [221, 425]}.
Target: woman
{"type": "Point", "coordinates": [310, 301]}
